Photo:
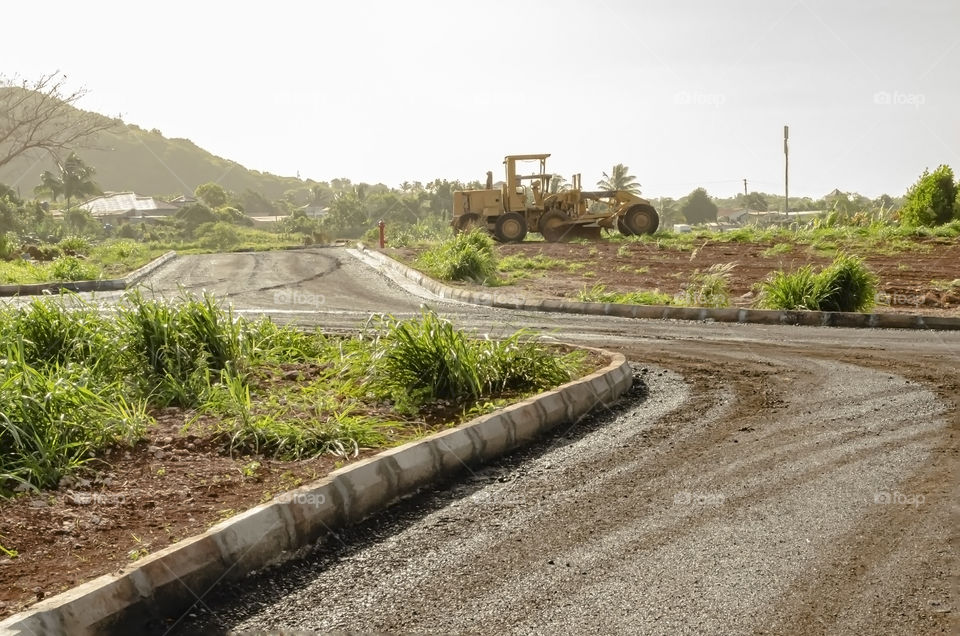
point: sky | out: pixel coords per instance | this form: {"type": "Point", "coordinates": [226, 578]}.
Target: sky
{"type": "Point", "coordinates": [686, 93]}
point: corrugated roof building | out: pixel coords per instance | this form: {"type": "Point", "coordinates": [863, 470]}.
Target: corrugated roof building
{"type": "Point", "coordinates": [130, 206]}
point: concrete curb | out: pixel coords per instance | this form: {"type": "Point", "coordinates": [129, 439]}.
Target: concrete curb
{"type": "Point", "coordinates": [513, 300]}
{"type": "Point", "coordinates": [171, 580]}
{"type": "Point", "coordinates": [109, 284]}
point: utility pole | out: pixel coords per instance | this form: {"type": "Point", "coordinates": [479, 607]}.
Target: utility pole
{"type": "Point", "coordinates": [746, 208]}
{"type": "Point", "coordinates": [786, 170]}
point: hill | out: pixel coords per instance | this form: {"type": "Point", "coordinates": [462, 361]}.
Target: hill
{"type": "Point", "coordinates": [127, 157]}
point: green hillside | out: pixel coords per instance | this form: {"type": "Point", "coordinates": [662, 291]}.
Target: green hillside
{"type": "Point", "coordinates": [130, 158]}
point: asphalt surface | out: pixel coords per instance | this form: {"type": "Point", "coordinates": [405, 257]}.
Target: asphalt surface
{"type": "Point", "coordinates": [757, 479]}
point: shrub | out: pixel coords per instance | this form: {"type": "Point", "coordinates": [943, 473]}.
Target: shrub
{"type": "Point", "coordinates": [220, 235]}
{"type": "Point", "coordinates": [467, 256]}
{"type": "Point", "coordinates": [71, 268]}
{"type": "Point", "coordinates": [9, 246]}
{"type": "Point", "coordinates": [930, 201]}
{"type": "Point", "coordinates": [75, 246]}
{"type": "Point", "coordinates": [845, 285]}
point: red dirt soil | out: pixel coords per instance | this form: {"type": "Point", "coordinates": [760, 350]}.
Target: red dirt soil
{"type": "Point", "coordinates": [905, 277]}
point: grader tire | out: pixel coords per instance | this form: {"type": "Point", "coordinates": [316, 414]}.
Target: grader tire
{"type": "Point", "coordinates": [510, 228]}
{"type": "Point", "coordinates": [555, 227]}
{"type": "Point", "coordinates": [639, 219]}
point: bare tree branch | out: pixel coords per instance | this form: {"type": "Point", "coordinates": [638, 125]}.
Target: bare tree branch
{"type": "Point", "coordinates": [42, 116]}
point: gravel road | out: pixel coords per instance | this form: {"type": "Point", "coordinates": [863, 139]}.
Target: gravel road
{"type": "Point", "coordinates": [757, 479]}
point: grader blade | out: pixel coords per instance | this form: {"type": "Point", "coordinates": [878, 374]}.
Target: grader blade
{"type": "Point", "coordinates": [591, 233]}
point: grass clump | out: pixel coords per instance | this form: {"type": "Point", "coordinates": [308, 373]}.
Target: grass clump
{"type": "Point", "coordinates": [177, 348]}
{"type": "Point", "coordinates": [427, 358]}
{"type": "Point", "coordinates": [707, 289]}
{"type": "Point", "coordinates": [845, 285]}
{"type": "Point", "coordinates": [468, 256]}
{"type": "Point", "coordinates": [71, 268]}
{"type": "Point", "coordinates": [599, 294]}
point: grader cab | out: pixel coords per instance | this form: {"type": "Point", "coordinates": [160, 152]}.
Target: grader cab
{"type": "Point", "coordinates": [524, 203]}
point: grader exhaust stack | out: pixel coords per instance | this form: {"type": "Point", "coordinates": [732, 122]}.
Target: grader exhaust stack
{"type": "Point", "coordinates": [514, 209]}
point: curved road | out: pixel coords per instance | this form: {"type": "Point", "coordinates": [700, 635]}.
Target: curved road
{"type": "Point", "coordinates": [756, 480]}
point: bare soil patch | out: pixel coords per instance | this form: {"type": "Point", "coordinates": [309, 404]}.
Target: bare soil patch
{"type": "Point", "coordinates": [906, 278]}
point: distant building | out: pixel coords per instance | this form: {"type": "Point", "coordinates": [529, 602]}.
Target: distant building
{"type": "Point", "coordinates": [315, 211]}
{"type": "Point", "coordinates": [183, 200]}
{"type": "Point", "coordinates": [732, 215]}
{"type": "Point", "coordinates": [117, 207]}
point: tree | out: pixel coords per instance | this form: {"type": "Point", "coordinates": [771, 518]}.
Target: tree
{"type": "Point", "coordinates": [347, 217]}
{"type": "Point", "coordinates": [698, 207]}
{"type": "Point", "coordinates": [74, 181]}
{"type": "Point", "coordinates": [669, 212]}
{"type": "Point", "coordinates": [195, 215]}
{"type": "Point", "coordinates": [619, 179]}
{"type": "Point", "coordinates": [254, 203]}
{"type": "Point", "coordinates": [41, 116]}
{"type": "Point", "coordinates": [212, 194]}
{"type": "Point", "coordinates": [50, 185]}
{"type": "Point", "coordinates": [931, 200]}
{"type": "Point", "coordinates": [756, 201]}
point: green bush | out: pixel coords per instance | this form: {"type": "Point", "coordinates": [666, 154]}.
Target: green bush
{"type": "Point", "coordinates": [930, 201]}
{"type": "Point", "coordinates": [75, 246]}
{"type": "Point", "coordinates": [71, 268]}
{"type": "Point", "coordinates": [466, 256]}
{"type": "Point", "coordinates": [845, 285]}
{"type": "Point", "coordinates": [9, 246]}
{"type": "Point", "coordinates": [219, 236]}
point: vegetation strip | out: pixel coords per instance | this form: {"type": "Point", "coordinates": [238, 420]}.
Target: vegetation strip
{"type": "Point", "coordinates": [110, 284]}
{"type": "Point", "coordinates": [161, 582]}
{"type": "Point", "coordinates": [514, 300]}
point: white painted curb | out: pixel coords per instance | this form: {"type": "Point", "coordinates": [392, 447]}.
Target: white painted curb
{"type": "Point", "coordinates": [513, 300]}
{"type": "Point", "coordinates": [171, 580]}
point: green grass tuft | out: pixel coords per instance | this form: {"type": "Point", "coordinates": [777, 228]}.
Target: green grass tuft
{"type": "Point", "coordinates": [465, 257]}
{"type": "Point", "coordinates": [845, 285]}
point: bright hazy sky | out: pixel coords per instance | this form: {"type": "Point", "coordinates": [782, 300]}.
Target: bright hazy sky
{"type": "Point", "coordinates": [686, 93]}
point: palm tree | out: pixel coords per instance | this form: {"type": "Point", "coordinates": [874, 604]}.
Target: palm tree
{"type": "Point", "coordinates": [75, 180]}
{"type": "Point", "coordinates": [558, 184]}
{"type": "Point", "coordinates": [619, 179]}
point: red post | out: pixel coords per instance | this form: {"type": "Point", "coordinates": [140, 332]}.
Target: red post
{"type": "Point", "coordinates": [381, 225]}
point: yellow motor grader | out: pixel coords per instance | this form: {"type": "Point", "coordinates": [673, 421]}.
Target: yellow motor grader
{"type": "Point", "coordinates": [512, 210]}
